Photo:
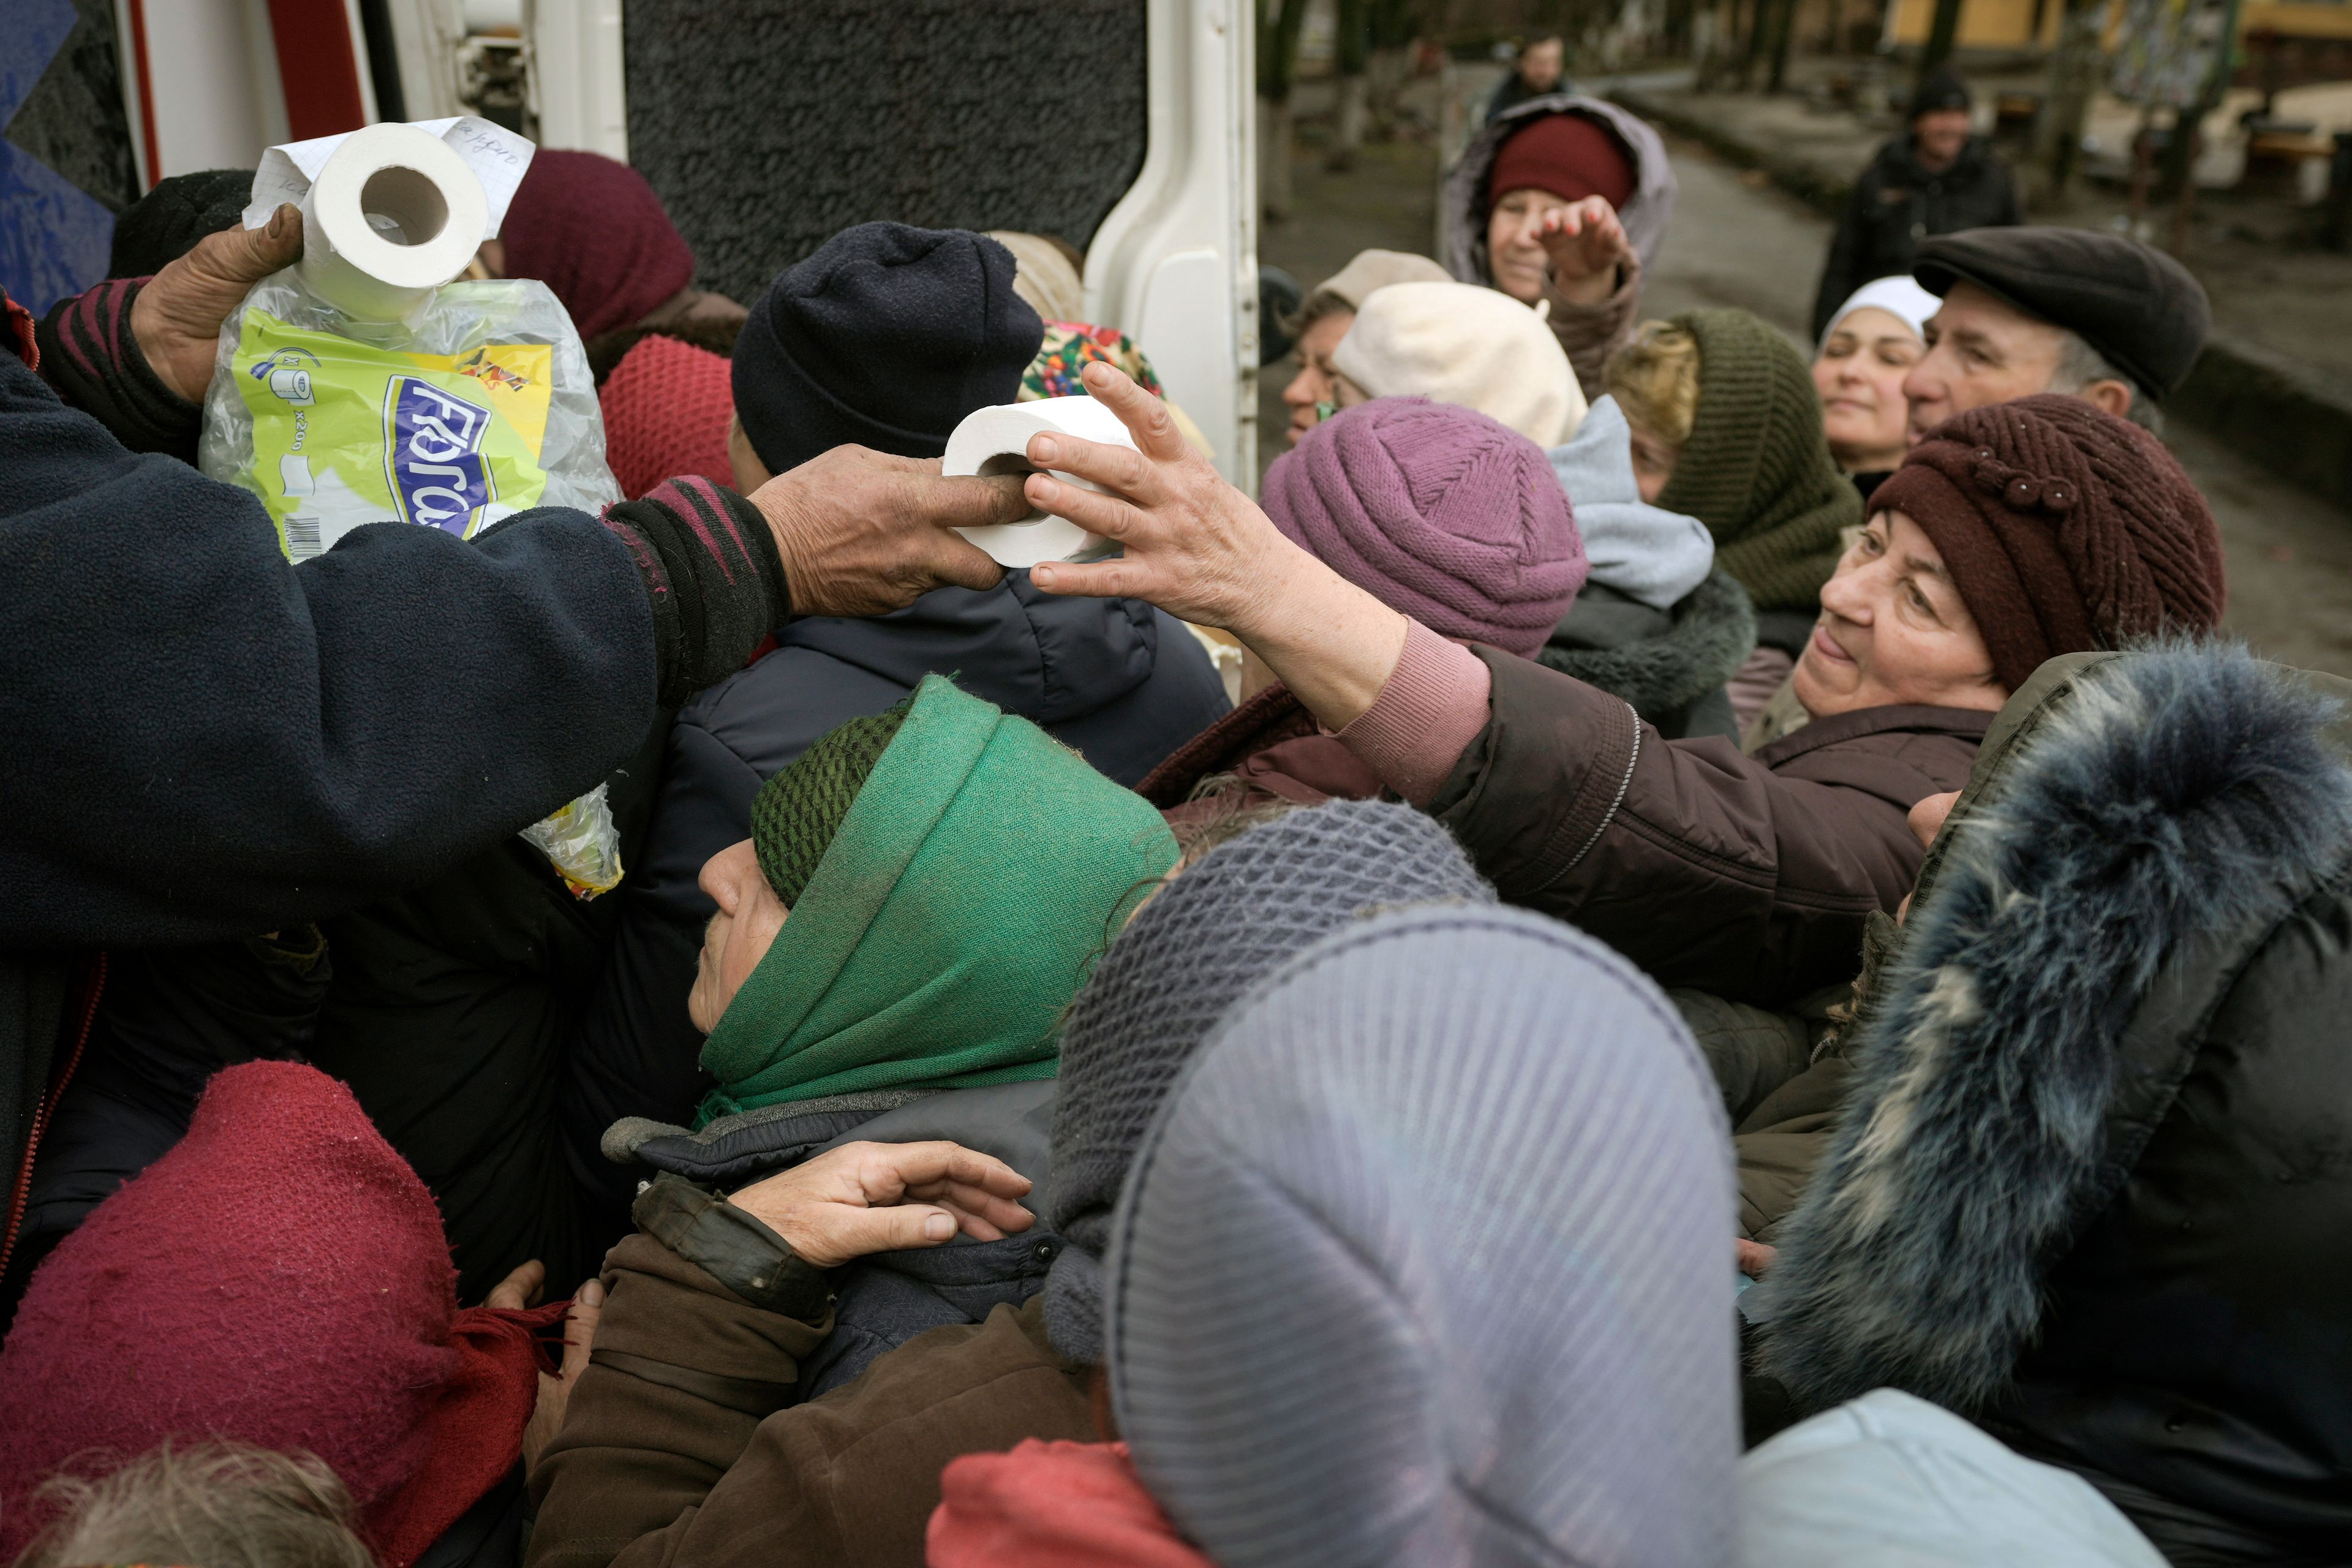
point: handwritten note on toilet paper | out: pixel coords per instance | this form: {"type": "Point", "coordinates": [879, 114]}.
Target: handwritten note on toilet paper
{"type": "Point", "coordinates": [497, 157]}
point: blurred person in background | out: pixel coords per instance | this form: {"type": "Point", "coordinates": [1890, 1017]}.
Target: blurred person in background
{"type": "Point", "coordinates": [1540, 68]}
{"type": "Point", "coordinates": [1937, 177]}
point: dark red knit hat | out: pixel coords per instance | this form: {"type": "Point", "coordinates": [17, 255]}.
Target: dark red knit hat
{"type": "Point", "coordinates": [593, 230]}
{"type": "Point", "coordinates": [1566, 154]}
{"type": "Point", "coordinates": [2065, 528]}
{"type": "Point", "coordinates": [666, 406]}
{"type": "Point", "coordinates": [280, 1278]}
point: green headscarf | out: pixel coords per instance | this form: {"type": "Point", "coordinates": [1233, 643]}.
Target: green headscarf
{"type": "Point", "coordinates": [1757, 468]}
{"type": "Point", "coordinates": [972, 883]}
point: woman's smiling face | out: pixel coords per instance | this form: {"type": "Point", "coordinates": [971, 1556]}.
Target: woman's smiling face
{"type": "Point", "coordinates": [1895, 630]}
{"type": "Point", "coordinates": [1859, 375]}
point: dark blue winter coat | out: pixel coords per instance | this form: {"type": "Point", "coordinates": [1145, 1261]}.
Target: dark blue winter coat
{"type": "Point", "coordinates": [1121, 683]}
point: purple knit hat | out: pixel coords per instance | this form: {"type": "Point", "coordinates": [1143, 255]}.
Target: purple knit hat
{"type": "Point", "coordinates": [1438, 511]}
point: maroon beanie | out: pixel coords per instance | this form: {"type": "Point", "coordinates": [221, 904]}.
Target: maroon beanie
{"type": "Point", "coordinates": [594, 231]}
{"type": "Point", "coordinates": [1438, 511]}
{"type": "Point", "coordinates": [1566, 154]}
{"type": "Point", "coordinates": [2065, 528]}
{"type": "Point", "coordinates": [280, 1278]}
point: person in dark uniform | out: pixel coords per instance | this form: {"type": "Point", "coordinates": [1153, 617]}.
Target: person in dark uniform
{"type": "Point", "coordinates": [1933, 179]}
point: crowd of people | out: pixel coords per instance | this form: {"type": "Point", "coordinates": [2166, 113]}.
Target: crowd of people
{"type": "Point", "coordinates": [1740, 974]}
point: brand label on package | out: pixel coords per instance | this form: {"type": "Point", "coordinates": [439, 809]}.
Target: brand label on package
{"type": "Point", "coordinates": [433, 456]}
{"type": "Point", "coordinates": [345, 433]}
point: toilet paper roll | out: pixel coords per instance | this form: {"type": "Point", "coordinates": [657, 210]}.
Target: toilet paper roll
{"type": "Point", "coordinates": [994, 441]}
{"type": "Point", "coordinates": [441, 185]}
{"type": "Point", "coordinates": [393, 215]}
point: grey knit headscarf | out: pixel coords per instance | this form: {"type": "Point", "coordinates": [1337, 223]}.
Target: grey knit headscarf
{"type": "Point", "coordinates": [1196, 947]}
{"type": "Point", "coordinates": [1428, 1261]}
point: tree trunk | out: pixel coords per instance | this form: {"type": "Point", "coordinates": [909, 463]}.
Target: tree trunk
{"type": "Point", "coordinates": [1278, 26]}
{"type": "Point", "coordinates": [1941, 35]}
{"type": "Point", "coordinates": [2066, 102]}
{"type": "Point", "coordinates": [1784, 28]}
{"type": "Point", "coordinates": [1352, 38]}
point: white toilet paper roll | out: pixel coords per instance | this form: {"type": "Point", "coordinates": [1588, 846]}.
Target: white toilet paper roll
{"type": "Point", "coordinates": [994, 441]}
{"type": "Point", "coordinates": [429, 216]}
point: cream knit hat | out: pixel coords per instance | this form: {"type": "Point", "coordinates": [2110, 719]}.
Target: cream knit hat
{"type": "Point", "coordinates": [1459, 343]}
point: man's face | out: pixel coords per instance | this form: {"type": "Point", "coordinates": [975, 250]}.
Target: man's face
{"type": "Point", "coordinates": [1938, 135]}
{"type": "Point", "coordinates": [1541, 65]}
{"type": "Point", "coordinates": [1314, 382]}
{"type": "Point", "coordinates": [1980, 351]}
{"type": "Point", "coordinates": [750, 915]}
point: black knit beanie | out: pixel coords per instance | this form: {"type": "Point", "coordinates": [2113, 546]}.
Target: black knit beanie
{"type": "Point", "coordinates": [887, 337]}
{"type": "Point", "coordinates": [797, 812]}
{"type": "Point", "coordinates": [164, 225]}
{"type": "Point", "coordinates": [1940, 90]}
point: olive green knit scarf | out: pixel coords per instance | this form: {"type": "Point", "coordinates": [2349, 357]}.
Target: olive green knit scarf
{"type": "Point", "coordinates": [952, 873]}
{"type": "Point", "coordinates": [1757, 468]}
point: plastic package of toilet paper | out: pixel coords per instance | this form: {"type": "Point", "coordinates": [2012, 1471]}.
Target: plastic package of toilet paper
{"type": "Point", "coordinates": [484, 406]}
{"type": "Point", "coordinates": [363, 385]}
{"type": "Point", "coordinates": [993, 441]}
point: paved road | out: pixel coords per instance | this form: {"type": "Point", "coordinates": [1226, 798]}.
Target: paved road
{"type": "Point", "coordinates": [1737, 241]}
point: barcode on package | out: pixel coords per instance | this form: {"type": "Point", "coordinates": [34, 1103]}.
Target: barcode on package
{"type": "Point", "coordinates": [302, 538]}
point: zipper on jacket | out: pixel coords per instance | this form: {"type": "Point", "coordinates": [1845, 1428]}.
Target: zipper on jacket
{"type": "Point", "coordinates": [1623, 785]}
{"type": "Point", "coordinates": [22, 1195]}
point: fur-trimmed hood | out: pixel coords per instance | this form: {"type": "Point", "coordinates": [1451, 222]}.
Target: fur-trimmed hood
{"type": "Point", "coordinates": [2095, 1154]}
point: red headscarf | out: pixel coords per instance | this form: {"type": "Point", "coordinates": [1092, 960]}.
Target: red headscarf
{"type": "Point", "coordinates": [280, 1278]}
{"type": "Point", "coordinates": [1051, 1505]}
{"type": "Point", "coordinates": [594, 231]}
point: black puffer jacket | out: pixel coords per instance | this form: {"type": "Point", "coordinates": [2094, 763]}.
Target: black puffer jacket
{"type": "Point", "coordinates": [1896, 203]}
{"type": "Point", "coordinates": [1117, 680]}
{"type": "Point", "coordinates": [2091, 1183]}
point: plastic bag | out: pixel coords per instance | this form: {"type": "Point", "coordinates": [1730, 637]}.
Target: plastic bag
{"type": "Point", "coordinates": [481, 407]}
{"type": "Point", "coordinates": [581, 842]}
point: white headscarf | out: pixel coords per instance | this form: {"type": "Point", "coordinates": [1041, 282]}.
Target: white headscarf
{"type": "Point", "coordinates": [1899, 296]}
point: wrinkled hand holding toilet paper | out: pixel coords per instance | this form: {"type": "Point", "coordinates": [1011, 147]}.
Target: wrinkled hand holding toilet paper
{"type": "Point", "coordinates": [365, 385]}
{"type": "Point", "coordinates": [992, 441]}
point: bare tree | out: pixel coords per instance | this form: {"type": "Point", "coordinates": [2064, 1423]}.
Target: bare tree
{"type": "Point", "coordinates": [1280, 23]}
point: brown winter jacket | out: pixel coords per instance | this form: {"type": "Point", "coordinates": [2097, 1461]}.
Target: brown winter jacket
{"type": "Point", "coordinates": [675, 1451]}
{"type": "Point", "coordinates": [1748, 876]}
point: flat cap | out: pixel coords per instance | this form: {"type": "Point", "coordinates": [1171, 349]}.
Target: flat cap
{"type": "Point", "coordinates": [2137, 306]}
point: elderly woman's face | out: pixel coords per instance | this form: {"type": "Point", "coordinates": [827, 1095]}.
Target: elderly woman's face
{"type": "Point", "coordinates": [1859, 375]}
{"type": "Point", "coordinates": [750, 915]}
{"type": "Point", "coordinates": [1312, 389]}
{"type": "Point", "coordinates": [1893, 629]}
{"type": "Point", "coordinates": [1514, 254]}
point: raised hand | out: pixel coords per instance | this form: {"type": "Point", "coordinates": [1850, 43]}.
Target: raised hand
{"type": "Point", "coordinates": [1586, 245]}
{"type": "Point", "coordinates": [1201, 549]}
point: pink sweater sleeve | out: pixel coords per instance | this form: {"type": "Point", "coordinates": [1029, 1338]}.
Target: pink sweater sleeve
{"type": "Point", "coordinates": [1432, 707]}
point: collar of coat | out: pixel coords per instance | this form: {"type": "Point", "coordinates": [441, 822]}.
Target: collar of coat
{"type": "Point", "coordinates": [2130, 816]}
